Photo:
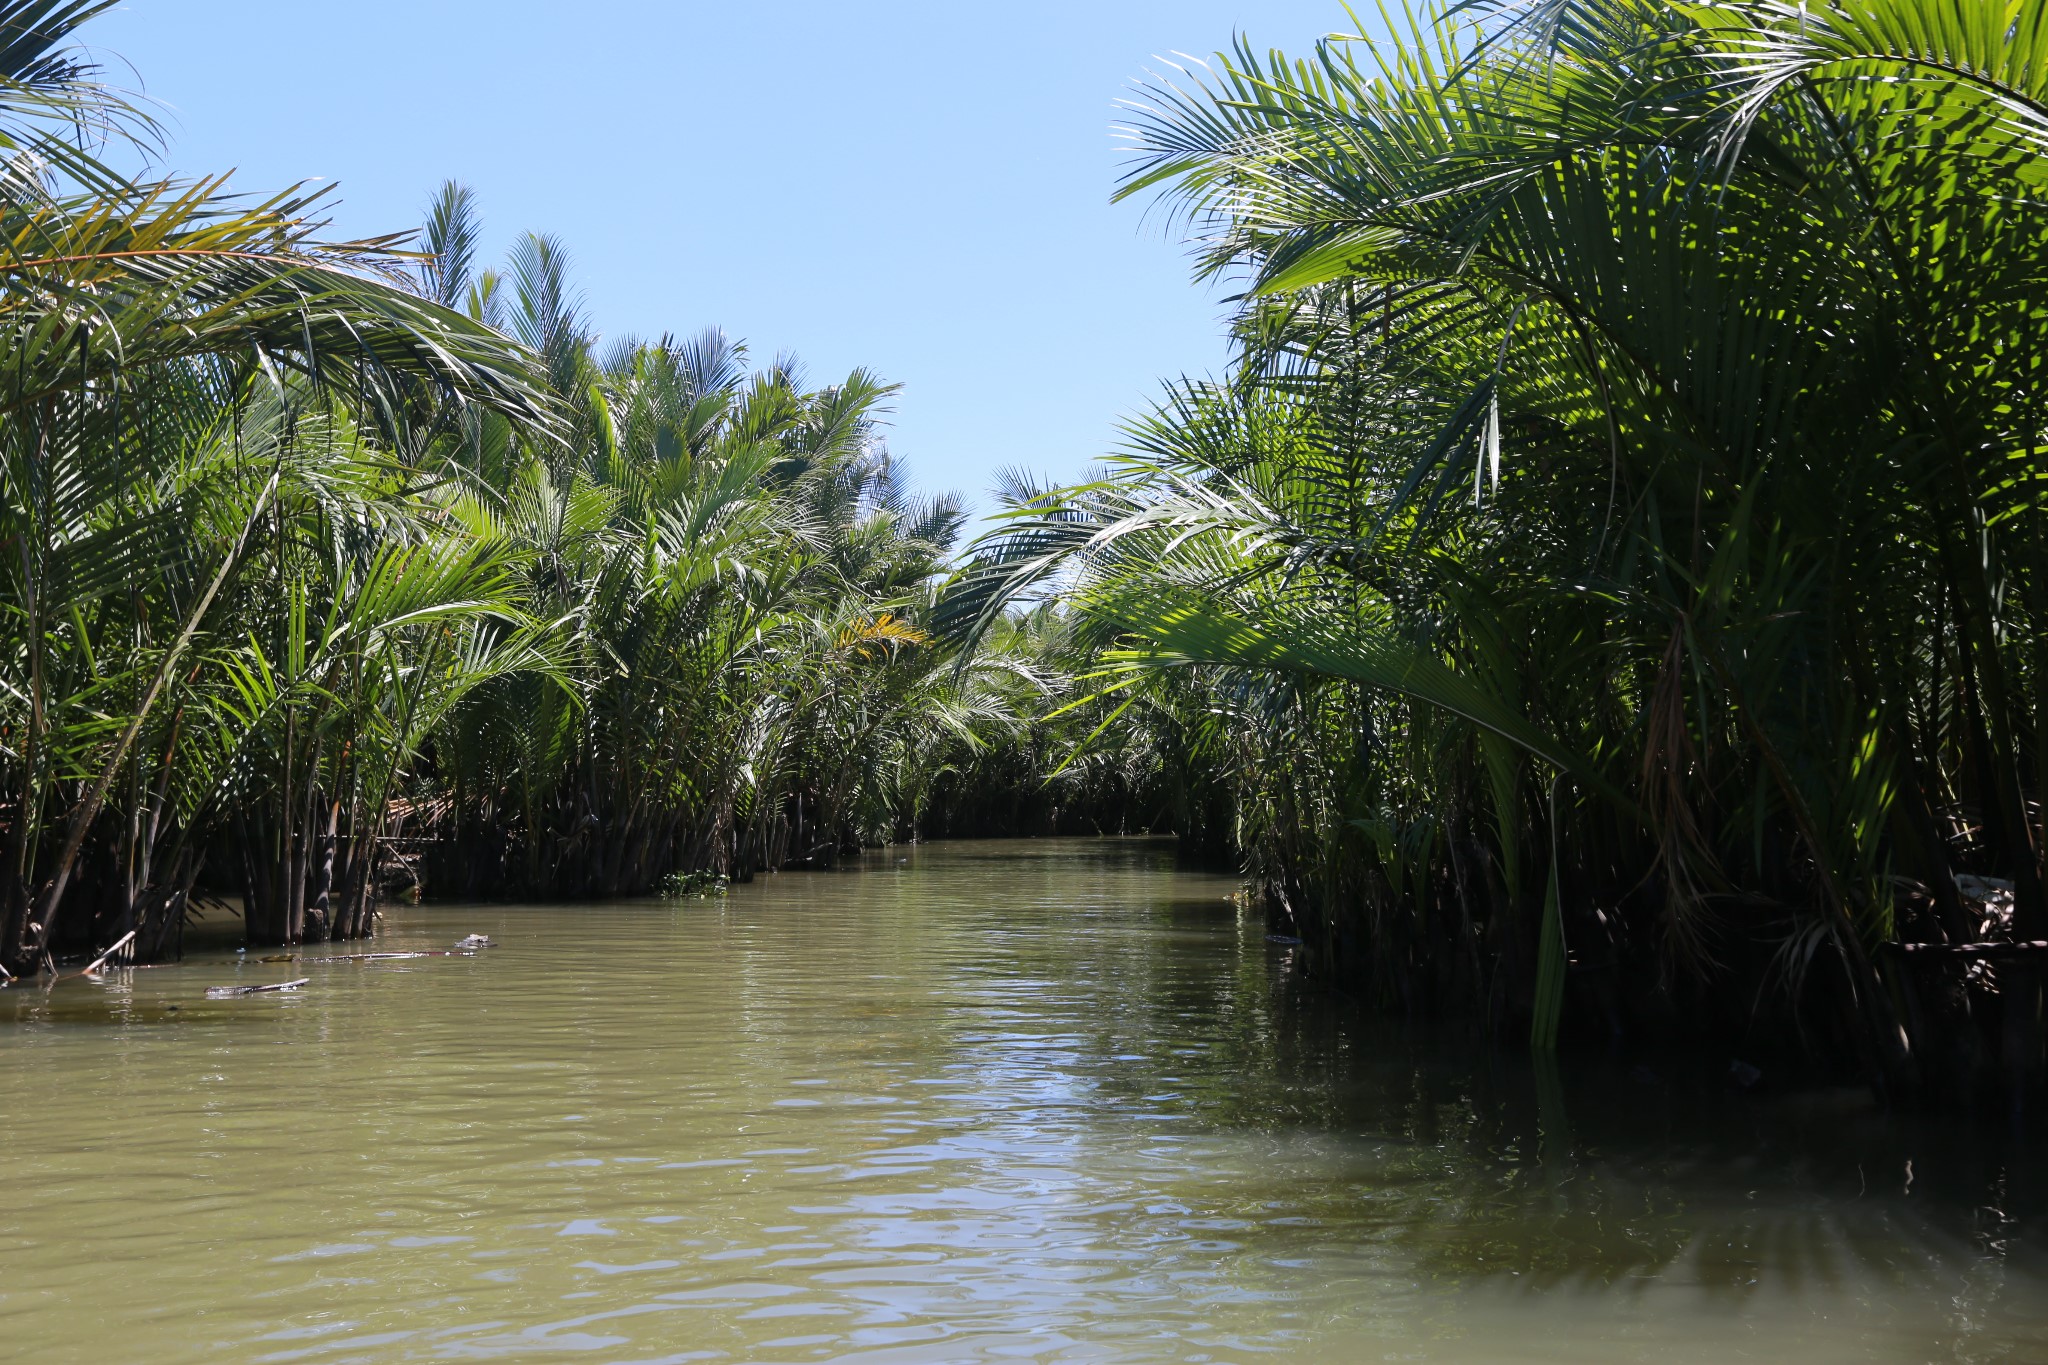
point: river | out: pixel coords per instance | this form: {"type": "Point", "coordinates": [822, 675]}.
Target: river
{"type": "Point", "coordinates": [1038, 1100]}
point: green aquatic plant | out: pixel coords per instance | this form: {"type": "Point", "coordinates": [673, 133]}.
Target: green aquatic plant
{"type": "Point", "coordinates": [179, 363]}
{"type": "Point", "coordinates": [331, 567]}
{"type": "Point", "coordinates": [688, 885]}
{"type": "Point", "coordinates": [1630, 482]}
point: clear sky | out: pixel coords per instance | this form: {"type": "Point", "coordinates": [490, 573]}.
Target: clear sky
{"type": "Point", "coordinates": [922, 189]}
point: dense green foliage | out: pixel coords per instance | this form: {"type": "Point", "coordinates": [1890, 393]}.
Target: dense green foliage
{"type": "Point", "coordinates": [1605, 593]}
{"type": "Point", "coordinates": [1611, 578]}
{"type": "Point", "coordinates": [743, 575]}
{"type": "Point", "coordinates": [328, 566]}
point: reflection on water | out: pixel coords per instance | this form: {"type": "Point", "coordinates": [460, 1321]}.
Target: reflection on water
{"type": "Point", "coordinates": [1026, 1101]}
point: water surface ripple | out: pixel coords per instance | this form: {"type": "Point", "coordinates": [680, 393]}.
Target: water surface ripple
{"type": "Point", "coordinates": [1027, 1101]}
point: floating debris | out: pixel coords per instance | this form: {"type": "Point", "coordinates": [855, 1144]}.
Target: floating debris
{"type": "Point", "coordinates": [119, 944]}
{"type": "Point", "coordinates": [1990, 899]}
{"type": "Point", "coordinates": [230, 992]}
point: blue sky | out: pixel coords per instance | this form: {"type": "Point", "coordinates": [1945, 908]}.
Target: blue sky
{"type": "Point", "coordinates": [921, 189]}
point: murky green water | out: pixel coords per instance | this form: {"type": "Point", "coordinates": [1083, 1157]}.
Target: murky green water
{"type": "Point", "coordinates": [1028, 1101]}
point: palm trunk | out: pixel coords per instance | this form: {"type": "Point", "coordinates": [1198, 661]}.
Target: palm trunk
{"type": "Point", "coordinates": [43, 917]}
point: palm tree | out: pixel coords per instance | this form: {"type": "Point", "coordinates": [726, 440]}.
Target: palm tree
{"type": "Point", "coordinates": [329, 564]}
{"type": "Point", "coordinates": [747, 574]}
{"type": "Point", "coordinates": [141, 318]}
{"type": "Point", "coordinates": [1630, 488]}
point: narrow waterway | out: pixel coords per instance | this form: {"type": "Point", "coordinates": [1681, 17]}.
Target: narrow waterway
{"type": "Point", "coordinates": [1003, 1101]}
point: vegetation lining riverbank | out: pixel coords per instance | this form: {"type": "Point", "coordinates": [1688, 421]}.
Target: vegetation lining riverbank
{"type": "Point", "coordinates": [1603, 598]}
{"type": "Point", "coordinates": [1607, 589]}
{"type": "Point", "coordinates": [336, 567]}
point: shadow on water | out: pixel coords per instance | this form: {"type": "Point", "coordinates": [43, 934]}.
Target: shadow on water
{"type": "Point", "coordinates": [1581, 1172]}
